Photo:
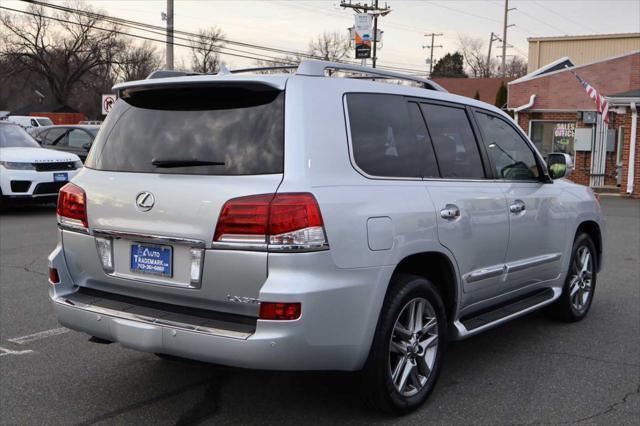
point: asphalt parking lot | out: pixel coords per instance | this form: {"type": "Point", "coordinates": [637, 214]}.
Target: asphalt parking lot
{"type": "Point", "coordinates": [530, 371]}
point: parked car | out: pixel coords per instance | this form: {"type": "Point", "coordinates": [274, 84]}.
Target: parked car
{"type": "Point", "coordinates": [76, 139]}
{"type": "Point", "coordinates": [28, 121]}
{"type": "Point", "coordinates": [27, 171]}
{"type": "Point", "coordinates": [92, 122]}
{"type": "Point", "coordinates": [306, 222]}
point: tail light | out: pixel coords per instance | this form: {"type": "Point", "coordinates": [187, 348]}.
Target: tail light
{"type": "Point", "coordinates": [288, 221]}
{"type": "Point", "coordinates": [72, 207]}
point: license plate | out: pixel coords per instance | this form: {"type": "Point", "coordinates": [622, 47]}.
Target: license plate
{"type": "Point", "coordinates": [154, 260]}
{"type": "Point", "coordinates": [60, 177]}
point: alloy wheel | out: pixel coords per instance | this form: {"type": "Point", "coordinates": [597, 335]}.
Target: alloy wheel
{"type": "Point", "coordinates": [580, 286]}
{"type": "Point", "coordinates": [413, 346]}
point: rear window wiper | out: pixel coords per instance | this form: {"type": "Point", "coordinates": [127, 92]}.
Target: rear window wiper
{"type": "Point", "coordinates": [168, 163]}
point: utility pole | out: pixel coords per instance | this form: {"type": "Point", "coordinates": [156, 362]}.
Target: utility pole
{"type": "Point", "coordinates": [504, 36]}
{"type": "Point", "coordinates": [493, 38]}
{"type": "Point", "coordinates": [374, 10]}
{"type": "Point", "coordinates": [375, 34]}
{"type": "Point", "coordinates": [433, 36]}
{"type": "Point", "coordinates": [170, 34]}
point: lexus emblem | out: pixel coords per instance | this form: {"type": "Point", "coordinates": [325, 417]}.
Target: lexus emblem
{"type": "Point", "coordinates": [145, 201]}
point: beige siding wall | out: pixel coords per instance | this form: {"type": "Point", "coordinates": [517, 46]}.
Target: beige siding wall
{"type": "Point", "coordinates": [581, 51]}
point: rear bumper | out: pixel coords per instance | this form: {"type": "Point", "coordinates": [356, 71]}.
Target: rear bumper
{"type": "Point", "coordinates": [339, 315]}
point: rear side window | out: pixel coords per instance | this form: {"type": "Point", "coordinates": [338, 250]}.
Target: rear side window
{"type": "Point", "coordinates": [240, 129]}
{"type": "Point", "coordinates": [509, 154]}
{"type": "Point", "coordinates": [454, 142]}
{"type": "Point", "coordinates": [388, 139]}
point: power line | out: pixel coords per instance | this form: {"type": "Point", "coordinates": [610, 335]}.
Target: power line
{"type": "Point", "coordinates": [159, 30]}
{"type": "Point", "coordinates": [565, 17]}
{"type": "Point", "coordinates": [126, 34]}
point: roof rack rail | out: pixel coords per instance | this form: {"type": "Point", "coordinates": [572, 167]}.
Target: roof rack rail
{"type": "Point", "coordinates": [171, 73]}
{"type": "Point", "coordinates": [280, 67]}
{"type": "Point", "coordinates": [318, 69]}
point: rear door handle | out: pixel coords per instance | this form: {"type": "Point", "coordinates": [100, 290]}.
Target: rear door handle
{"type": "Point", "coordinates": [450, 212]}
{"type": "Point", "coordinates": [518, 206]}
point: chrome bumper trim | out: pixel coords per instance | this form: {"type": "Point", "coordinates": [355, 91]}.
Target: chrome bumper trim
{"type": "Point", "coordinates": [149, 237]}
{"type": "Point", "coordinates": [213, 331]}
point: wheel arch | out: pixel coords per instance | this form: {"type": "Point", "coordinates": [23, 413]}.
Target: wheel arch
{"type": "Point", "coordinates": [592, 229]}
{"type": "Point", "coordinates": [438, 268]}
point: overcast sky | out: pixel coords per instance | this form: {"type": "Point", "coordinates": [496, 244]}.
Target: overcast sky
{"type": "Point", "coordinates": [290, 24]}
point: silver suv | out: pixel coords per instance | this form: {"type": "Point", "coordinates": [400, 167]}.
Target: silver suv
{"type": "Point", "coordinates": [312, 222]}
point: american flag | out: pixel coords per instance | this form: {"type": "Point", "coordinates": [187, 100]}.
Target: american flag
{"type": "Point", "coordinates": [601, 104]}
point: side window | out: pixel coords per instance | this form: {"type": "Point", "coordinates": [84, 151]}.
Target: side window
{"type": "Point", "coordinates": [33, 122]}
{"type": "Point", "coordinates": [454, 142]}
{"type": "Point", "coordinates": [52, 136]}
{"type": "Point", "coordinates": [419, 131]}
{"type": "Point", "coordinates": [383, 138]}
{"type": "Point", "coordinates": [510, 155]}
{"type": "Point", "coordinates": [78, 138]}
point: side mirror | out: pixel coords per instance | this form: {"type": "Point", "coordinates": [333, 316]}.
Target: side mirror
{"type": "Point", "coordinates": [559, 165]}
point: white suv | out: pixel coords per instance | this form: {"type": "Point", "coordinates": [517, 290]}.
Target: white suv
{"type": "Point", "coordinates": [307, 222]}
{"type": "Point", "coordinates": [28, 171]}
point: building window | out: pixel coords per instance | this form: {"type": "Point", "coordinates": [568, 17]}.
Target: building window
{"type": "Point", "coordinates": [553, 136]}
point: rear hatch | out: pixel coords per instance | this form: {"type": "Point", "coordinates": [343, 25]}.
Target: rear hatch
{"type": "Point", "coordinates": [160, 170]}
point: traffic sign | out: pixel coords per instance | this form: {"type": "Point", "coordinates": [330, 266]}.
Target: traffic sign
{"type": "Point", "coordinates": [107, 103]}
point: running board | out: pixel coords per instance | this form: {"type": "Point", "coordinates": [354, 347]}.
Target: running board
{"type": "Point", "coordinates": [471, 325]}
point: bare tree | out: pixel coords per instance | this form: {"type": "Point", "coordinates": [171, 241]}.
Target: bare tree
{"type": "Point", "coordinates": [475, 57]}
{"type": "Point", "coordinates": [332, 46]}
{"type": "Point", "coordinates": [205, 48]}
{"type": "Point", "coordinates": [516, 67]}
{"type": "Point", "coordinates": [62, 55]}
{"type": "Point", "coordinates": [138, 62]}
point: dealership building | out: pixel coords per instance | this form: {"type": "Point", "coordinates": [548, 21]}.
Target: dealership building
{"type": "Point", "coordinates": [554, 109]}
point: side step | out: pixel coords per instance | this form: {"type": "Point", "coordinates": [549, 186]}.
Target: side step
{"type": "Point", "coordinates": [480, 321]}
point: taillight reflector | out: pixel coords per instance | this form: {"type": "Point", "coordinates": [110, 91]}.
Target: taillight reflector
{"type": "Point", "coordinates": [72, 208]}
{"type": "Point", "coordinates": [54, 278]}
{"type": "Point", "coordinates": [276, 311]}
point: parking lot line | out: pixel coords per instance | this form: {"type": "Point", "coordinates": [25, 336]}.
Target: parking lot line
{"type": "Point", "coordinates": [38, 336]}
{"type": "Point", "coordinates": [4, 352]}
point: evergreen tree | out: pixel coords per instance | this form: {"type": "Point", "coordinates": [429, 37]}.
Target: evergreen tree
{"type": "Point", "coordinates": [501, 96]}
{"type": "Point", "coordinates": [477, 95]}
{"type": "Point", "coordinates": [450, 65]}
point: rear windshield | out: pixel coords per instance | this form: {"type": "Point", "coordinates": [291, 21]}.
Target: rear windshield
{"type": "Point", "coordinates": [240, 129]}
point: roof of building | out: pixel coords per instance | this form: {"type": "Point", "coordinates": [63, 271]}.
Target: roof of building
{"type": "Point", "coordinates": [55, 107]}
{"type": "Point", "coordinates": [560, 90]}
{"type": "Point", "coordinates": [486, 87]}
{"type": "Point", "coordinates": [584, 37]}
{"type": "Point", "coordinates": [630, 94]}
{"type": "Point", "coordinates": [558, 69]}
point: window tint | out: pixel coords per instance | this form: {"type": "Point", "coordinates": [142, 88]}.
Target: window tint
{"type": "Point", "coordinates": [509, 154]}
{"type": "Point", "coordinates": [78, 138]}
{"type": "Point", "coordinates": [51, 137]}
{"type": "Point", "coordinates": [454, 142]}
{"type": "Point", "coordinates": [388, 137]}
{"type": "Point", "coordinates": [419, 131]}
{"type": "Point", "coordinates": [241, 127]}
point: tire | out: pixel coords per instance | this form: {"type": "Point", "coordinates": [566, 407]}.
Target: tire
{"type": "Point", "coordinates": [580, 284]}
{"type": "Point", "coordinates": [393, 351]}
